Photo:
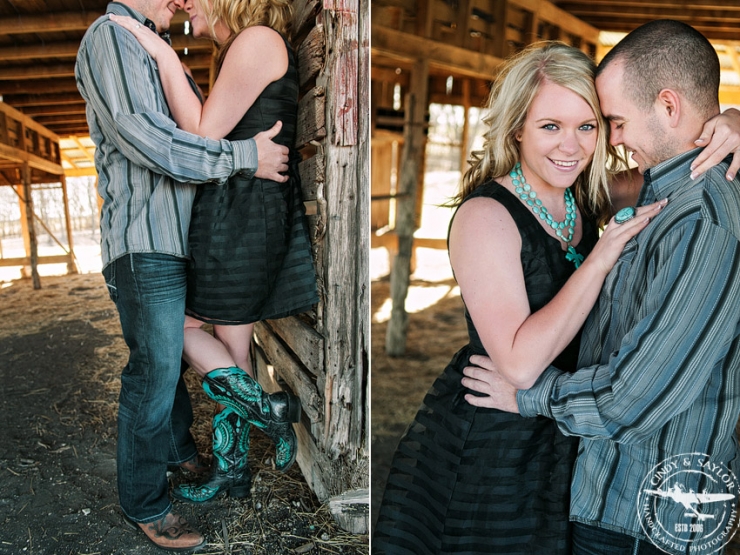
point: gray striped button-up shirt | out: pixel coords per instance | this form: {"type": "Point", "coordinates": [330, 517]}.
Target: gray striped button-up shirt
{"type": "Point", "coordinates": [146, 166]}
{"type": "Point", "coordinates": [659, 368]}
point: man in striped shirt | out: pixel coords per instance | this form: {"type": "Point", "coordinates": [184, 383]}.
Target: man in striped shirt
{"type": "Point", "coordinates": [147, 175]}
{"type": "Point", "coordinates": [657, 395]}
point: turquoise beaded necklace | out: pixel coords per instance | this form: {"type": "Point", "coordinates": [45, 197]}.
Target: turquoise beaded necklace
{"type": "Point", "coordinates": [568, 225]}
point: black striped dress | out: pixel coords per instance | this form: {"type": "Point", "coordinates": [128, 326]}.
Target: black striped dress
{"type": "Point", "coordinates": [467, 480]}
{"type": "Point", "coordinates": [249, 243]}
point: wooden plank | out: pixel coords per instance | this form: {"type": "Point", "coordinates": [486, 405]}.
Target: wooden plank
{"type": "Point", "coordinates": [307, 344]}
{"type": "Point", "coordinates": [305, 12]}
{"type": "Point", "coordinates": [351, 510]}
{"type": "Point", "coordinates": [458, 61]}
{"type": "Point", "coordinates": [26, 261]}
{"type": "Point", "coordinates": [312, 207]}
{"type": "Point", "coordinates": [290, 371]}
{"type": "Point", "coordinates": [37, 71]}
{"type": "Point", "coordinates": [29, 123]}
{"type": "Point", "coordinates": [315, 464]}
{"type": "Point", "coordinates": [80, 172]}
{"type": "Point", "coordinates": [463, 22]}
{"type": "Point", "coordinates": [35, 162]}
{"type": "Point", "coordinates": [344, 282]}
{"type": "Point", "coordinates": [312, 173]}
{"type": "Point", "coordinates": [311, 55]}
{"type": "Point", "coordinates": [390, 241]}
{"type": "Point", "coordinates": [310, 459]}
{"type": "Point", "coordinates": [311, 125]}
{"type": "Point", "coordinates": [361, 413]}
{"type": "Point", "coordinates": [342, 69]}
{"type": "Point", "coordinates": [382, 167]}
{"type": "Point", "coordinates": [48, 22]}
{"type": "Point", "coordinates": [566, 21]}
{"type": "Point", "coordinates": [344, 272]}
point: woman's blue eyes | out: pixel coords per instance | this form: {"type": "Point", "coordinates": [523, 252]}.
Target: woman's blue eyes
{"type": "Point", "coordinates": [584, 127]}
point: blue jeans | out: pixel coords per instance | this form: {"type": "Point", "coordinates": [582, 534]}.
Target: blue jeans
{"type": "Point", "coordinates": [589, 540]}
{"type": "Point", "coordinates": [154, 413]}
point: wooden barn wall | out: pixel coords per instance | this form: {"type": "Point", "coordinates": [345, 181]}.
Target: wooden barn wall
{"type": "Point", "coordinates": [322, 356]}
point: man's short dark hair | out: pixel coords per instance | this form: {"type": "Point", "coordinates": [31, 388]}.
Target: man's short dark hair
{"type": "Point", "coordinates": [668, 54]}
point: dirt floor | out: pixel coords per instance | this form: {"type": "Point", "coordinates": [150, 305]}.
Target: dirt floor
{"type": "Point", "coordinates": [60, 358]}
{"type": "Point", "coordinates": [400, 383]}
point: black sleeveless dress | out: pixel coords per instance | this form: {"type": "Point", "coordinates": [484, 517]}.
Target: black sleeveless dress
{"type": "Point", "coordinates": [249, 243]}
{"type": "Point", "coordinates": [468, 480]}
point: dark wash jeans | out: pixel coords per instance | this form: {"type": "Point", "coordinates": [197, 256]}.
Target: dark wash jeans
{"type": "Point", "coordinates": [154, 414]}
{"type": "Point", "coordinates": [589, 540]}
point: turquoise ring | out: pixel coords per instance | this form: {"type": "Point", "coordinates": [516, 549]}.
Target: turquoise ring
{"type": "Point", "coordinates": [625, 215]}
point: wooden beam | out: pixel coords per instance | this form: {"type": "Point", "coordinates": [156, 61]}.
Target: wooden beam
{"type": "Point", "coordinates": [566, 21]}
{"type": "Point", "coordinates": [458, 61]}
{"type": "Point", "coordinates": [38, 86]}
{"type": "Point", "coordinates": [27, 24]}
{"type": "Point", "coordinates": [42, 99]}
{"type": "Point", "coordinates": [48, 23]}
{"type": "Point", "coordinates": [80, 172]}
{"type": "Point", "coordinates": [636, 5]}
{"type": "Point", "coordinates": [85, 150]}
{"type": "Point", "coordinates": [37, 72]}
{"type": "Point", "coordinates": [693, 17]}
{"type": "Point", "coordinates": [26, 261]}
{"type": "Point", "coordinates": [34, 162]}
{"type": "Point", "coordinates": [42, 51]}
{"type": "Point", "coordinates": [412, 168]}
{"type": "Point", "coordinates": [52, 109]}
{"type": "Point", "coordinates": [47, 120]}
{"type": "Point", "coordinates": [11, 112]}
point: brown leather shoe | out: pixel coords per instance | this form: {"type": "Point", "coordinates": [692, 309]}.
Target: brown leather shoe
{"type": "Point", "coordinates": [173, 533]}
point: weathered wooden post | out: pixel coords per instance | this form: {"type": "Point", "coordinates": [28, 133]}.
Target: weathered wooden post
{"type": "Point", "coordinates": [323, 356]}
{"type": "Point", "coordinates": [29, 229]}
{"type": "Point", "coordinates": [414, 138]}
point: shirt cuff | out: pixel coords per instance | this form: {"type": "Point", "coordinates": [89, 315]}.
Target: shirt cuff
{"type": "Point", "coordinates": [536, 400]}
{"type": "Point", "coordinates": [245, 157]}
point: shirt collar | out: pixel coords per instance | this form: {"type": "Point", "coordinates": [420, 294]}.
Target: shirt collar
{"type": "Point", "coordinates": [122, 9]}
{"type": "Point", "coordinates": [667, 177]}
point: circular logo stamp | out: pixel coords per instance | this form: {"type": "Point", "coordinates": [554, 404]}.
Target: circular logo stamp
{"type": "Point", "coordinates": [688, 504]}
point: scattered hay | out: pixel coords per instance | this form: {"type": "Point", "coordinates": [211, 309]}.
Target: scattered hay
{"type": "Point", "coordinates": [282, 516]}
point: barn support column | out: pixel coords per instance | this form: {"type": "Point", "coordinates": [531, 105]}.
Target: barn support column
{"type": "Point", "coordinates": [464, 146]}
{"type": "Point", "coordinates": [71, 266]}
{"type": "Point", "coordinates": [29, 231]}
{"type": "Point", "coordinates": [412, 168]}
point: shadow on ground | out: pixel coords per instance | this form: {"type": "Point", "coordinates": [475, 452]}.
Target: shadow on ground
{"type": "Point", "coordinates": [60, 358]}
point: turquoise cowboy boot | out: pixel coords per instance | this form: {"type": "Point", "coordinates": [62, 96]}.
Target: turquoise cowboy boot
{"type": "Point", "coordinates": [230, 472]}
{"type": "Point", "coordinates": [271, 413]}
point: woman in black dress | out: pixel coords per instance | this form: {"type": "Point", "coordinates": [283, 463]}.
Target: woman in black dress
{"type": "Point", "coordinates": [469, 480]}
{"type": "Point", "coordinates": [250, 250]}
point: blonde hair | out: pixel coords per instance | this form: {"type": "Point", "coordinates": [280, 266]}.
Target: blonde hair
{"type": "Point", "coordinates": [511, 97]}
{"type": "Point", "coordinates": [238, 15]}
